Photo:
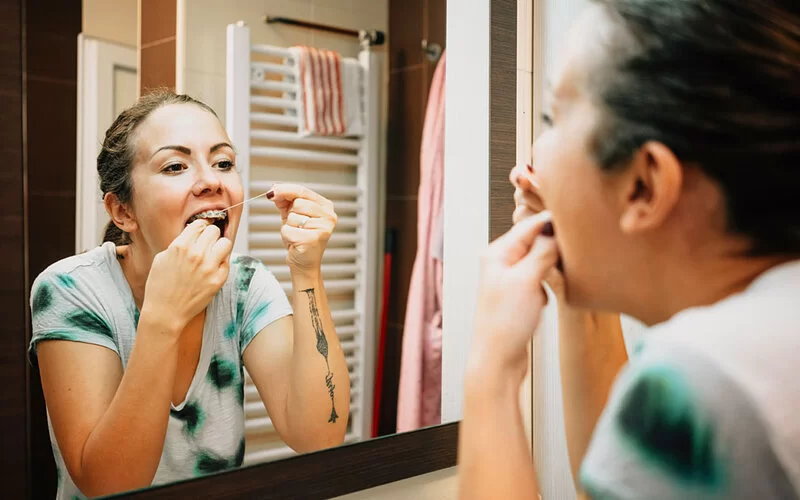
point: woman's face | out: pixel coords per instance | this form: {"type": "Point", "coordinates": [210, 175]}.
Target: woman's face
{"type": "Point", "coordinates": [184, 165]}
{"type": "Point", "coordinates": [584, 200]}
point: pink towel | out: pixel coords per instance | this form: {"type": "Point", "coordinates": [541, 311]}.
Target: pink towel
{"type": "Point", "coordinates": [420, 393]}
{"type": "Point", "coordinates": [321, 89]}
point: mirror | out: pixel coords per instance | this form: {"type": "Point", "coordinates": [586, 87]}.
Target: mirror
{"type": "Point", "coordinates": [390, 340]}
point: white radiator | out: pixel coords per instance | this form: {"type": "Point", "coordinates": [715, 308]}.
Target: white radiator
{"type": "Point", "coordinates": [261, 119]}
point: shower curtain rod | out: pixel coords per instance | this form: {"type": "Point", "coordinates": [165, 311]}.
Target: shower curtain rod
{"type": "Point", "coordinates": [373, 37]}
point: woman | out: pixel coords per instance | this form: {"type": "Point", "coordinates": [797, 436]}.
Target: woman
{"type": "Point", "coordinates": [670, 174]}
{"type": "Point", "coordinates": [141, 344]}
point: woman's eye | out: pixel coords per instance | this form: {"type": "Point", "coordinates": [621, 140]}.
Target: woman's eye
{"type": "Point", "coordinates": [225, 165]}
{"type": "Point", "coordinates": [173, 168]}
{"type": "Point", "coordinates": [547, 120]}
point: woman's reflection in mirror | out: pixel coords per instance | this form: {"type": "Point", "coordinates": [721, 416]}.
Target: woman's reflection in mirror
{"type": "Point", "coordinates": [142, 342]}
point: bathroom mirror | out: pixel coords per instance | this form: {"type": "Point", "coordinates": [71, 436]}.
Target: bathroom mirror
{"type": "Point", "coordinates": [63, 49]}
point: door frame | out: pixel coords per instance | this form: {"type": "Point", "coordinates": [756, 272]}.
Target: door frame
{"type": "Point", "coordinates": [97, 62]}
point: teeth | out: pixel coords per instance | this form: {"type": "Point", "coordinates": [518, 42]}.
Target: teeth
{"type": "Point", "coordinates": [209, 214]}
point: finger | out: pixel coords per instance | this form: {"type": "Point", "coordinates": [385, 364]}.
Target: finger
{"type": "Point", "coordinates": [207, 238]}
{"type": "Point", "coordinates": [308, 208]}
{"type": "Point", "coordinates": [516, 173]}
{"type": "Point", "coordinates": [289, 192]}
{"type": "Point", "coordinates": [541, 259]}
{"type": "Point", "coordinates": [522, 212]}
{"type": "Point", "coordinates": [220, 251]}
{"type": "Point", "coordinates": [300, 221]}
{"type": "Point", "coordinates": [190, 233]}
{"type": "Point", "coordinates": [294, 236]}
{"type": "Point", "coordinates": [517, 242]}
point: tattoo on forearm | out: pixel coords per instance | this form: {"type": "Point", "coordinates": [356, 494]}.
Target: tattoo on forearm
{"type": "Point", "coordinates": [322, 347]}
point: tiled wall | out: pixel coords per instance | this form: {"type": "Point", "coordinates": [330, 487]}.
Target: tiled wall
{"type": "Point", "coordinates": [201, 54]}
{"type": "Point", "coordinates": [38, 75]}
{"type": "Point", "coordinates": [115, 21]}
{"type": "Point", "coordinates": [12, 253]}
{"type": "Point", "coordinates": [157, 44]}
{"type": "Point", "coordinates": [52, 28]}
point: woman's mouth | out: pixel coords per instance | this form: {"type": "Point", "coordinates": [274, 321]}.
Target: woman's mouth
{"type": "Point", "coordinates": [217, 217]}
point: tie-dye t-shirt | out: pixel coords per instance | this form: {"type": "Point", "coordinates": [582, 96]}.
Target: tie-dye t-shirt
{"type": "Point", "coordinates": [86, 298]}
{"type": "Point", "coordinates": [709, 405]}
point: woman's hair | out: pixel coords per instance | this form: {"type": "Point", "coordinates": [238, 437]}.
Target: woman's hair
{"type": "Point", "coordinates": [115, 161]}
{"type": "Point", "coordinates": [718, 82]}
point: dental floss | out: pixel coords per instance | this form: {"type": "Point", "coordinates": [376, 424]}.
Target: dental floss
{"type": "Point", "coordinates": [245, 201]}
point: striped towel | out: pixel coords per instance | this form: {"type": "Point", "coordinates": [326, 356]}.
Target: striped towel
{"type": "Point", "coordinates": [329, 99]}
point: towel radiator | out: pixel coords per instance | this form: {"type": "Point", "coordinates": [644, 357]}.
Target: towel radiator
{"type": "Point", "coordinates": [261, 119]}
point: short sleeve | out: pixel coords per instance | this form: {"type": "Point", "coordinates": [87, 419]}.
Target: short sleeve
{"type": "Point", "coordinates": [63, 308]}
{"type": "Point", "coordinates": [260, 299]}
{"type": "Point", "coordinates": [676, 426]}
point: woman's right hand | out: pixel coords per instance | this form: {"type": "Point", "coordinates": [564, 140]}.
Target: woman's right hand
{"type": "Point", "coordinates": [185, 277]}
{"type": "Point", "coordinates": [528, 202]}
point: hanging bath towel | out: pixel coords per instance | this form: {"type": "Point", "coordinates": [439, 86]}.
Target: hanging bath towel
{"type": "Point", "coordinates": [330, 95]}
{"type": "Point", "coordinates": [420, 393]}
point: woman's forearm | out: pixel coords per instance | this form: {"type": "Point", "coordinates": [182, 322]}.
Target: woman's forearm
{"type": "Point", "coordinates": [493, 454]}
{"type": "Point", "coordinates": [592, 351]}
{"type": "Point", "coordinates": [124, 449]}
{"type": "Point", "coordinates": [318, 400]}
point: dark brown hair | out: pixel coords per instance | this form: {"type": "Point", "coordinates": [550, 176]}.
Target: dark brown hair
{"type": "Point", "coordinates": [718, 82]}
{"type": "Point", "coordinates": [115, 160]}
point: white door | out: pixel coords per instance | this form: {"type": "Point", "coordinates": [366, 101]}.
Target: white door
{"type": "Point", "coordinates": [107, 84]}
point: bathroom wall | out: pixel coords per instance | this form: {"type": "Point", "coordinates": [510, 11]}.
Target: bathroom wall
{"type": "Point", "coordinates": [115, 21]}
{"type": "Point", "coordinates": [439, 485]}
{"type": "Point", "coordinates": [200, 64]}
{"type": "Point", "coordinates": [38, 94]}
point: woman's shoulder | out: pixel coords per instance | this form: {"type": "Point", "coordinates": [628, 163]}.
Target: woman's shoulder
{"type": "Point", "coordinates": [247, 270]}
{"type": "Point", "coordinates": [89, 265]}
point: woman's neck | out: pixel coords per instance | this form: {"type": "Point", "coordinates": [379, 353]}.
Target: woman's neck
{"type": "Point", "coordinates": [700, 281]}
{"type": "Point", "coordinates": [136, 268]}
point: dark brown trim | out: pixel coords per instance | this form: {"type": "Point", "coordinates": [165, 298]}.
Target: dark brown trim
{"type": "Point", "coordinates": [376, 38]}
{"type": "Point", "coordinates": [328, 473]}
{"type": "Point", "coordinates": [502, 114]}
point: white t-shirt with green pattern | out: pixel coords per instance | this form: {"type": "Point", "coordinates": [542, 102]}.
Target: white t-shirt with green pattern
{"type": "Point", "coordinates": [86, 298]}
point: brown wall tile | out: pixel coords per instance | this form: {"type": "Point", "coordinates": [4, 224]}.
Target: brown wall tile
{"type": "Point", "coordinates": [52, 131]}
{"type": "Point", "coordinates": [158, 66]}
{"type": "Point", "coordinates": [406, 118]}
{"type": "Point", "coordinates": [54, 17]}
{"type": "Point", "coordinates": [13, 459]}
{"type": "Point", "coordinates": [52, 55]}
{"type": "Point", "coordinates": [387, 417]}
{"type": "Point", "coordinates": [51, 229]}
{"type": "Point", "coordinates": [52, 28]}
{"type": "Point", "coordinates": [401, 215]}
{"type": "Point", "coordinates": [159, 20]}
{"type": "Point", "coordinates": [405, 33]}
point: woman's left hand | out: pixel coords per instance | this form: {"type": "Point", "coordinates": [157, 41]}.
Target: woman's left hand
{"type": "Point", "coordinates": [308, 221]}
{"type": "Point", "coordinates": [511, 297]}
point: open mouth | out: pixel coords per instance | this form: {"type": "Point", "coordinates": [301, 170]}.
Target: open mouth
{"type": "Point", "coordinates": [217, 217]}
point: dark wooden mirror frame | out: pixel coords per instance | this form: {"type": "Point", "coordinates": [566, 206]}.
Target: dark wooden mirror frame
{"type": "Point", "coordinates": [28, 195]}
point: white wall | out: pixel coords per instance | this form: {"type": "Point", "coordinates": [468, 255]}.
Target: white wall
{"type": "Point", "coordinates": [439, 485]}
{"type": "Point", "coordinates": [466, 187]}
{"type": "Point", "coordinates": [112, 20]}
{"type": "Point", "coordinates": [200, 60]}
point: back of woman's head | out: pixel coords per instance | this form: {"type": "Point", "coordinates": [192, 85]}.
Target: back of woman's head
{"type": "Point", "coordinates": [115, 161]}
{"type": "Point", "coordinates": [718, 82]}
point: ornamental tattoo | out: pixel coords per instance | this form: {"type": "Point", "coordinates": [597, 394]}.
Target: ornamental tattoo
{"type": "Point", "coordinates": [322, 347]}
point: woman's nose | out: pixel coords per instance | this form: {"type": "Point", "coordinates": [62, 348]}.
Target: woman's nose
{"type": "Point", "coordinates": [208, 181]}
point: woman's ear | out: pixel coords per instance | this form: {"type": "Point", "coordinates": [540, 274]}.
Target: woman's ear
{"type": "Point", "coordinates": [654, 187]}
{"type": "Point", "coordinates": [120, 213]}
